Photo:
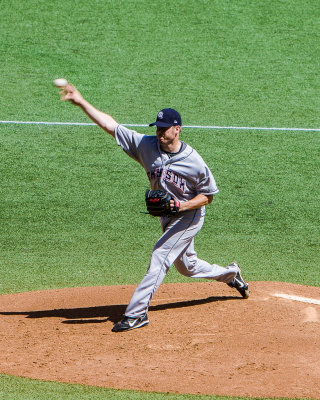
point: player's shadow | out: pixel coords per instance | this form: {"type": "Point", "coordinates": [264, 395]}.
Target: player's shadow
{"type": "Point", "coordinates": [111, 313]}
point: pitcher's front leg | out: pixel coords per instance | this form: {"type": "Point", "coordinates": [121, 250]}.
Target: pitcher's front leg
{"type": "Point", "coordinates": [178, 232]}
{"type": "Point", "coordinates": [143, 294]}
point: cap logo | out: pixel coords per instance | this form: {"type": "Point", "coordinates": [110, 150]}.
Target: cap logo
{"type": "Point", "coordinates": [175, 121]}
{"type": "Point", "coordinates": [160, 114]}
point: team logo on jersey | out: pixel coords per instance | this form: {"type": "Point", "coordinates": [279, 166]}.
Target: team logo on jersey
{"type": "Point", "coordinates": [169, 176]}
{"type": "Point", "coordinates": [160, 114]}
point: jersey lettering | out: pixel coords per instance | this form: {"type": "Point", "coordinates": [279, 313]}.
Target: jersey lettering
{"type": "Point", "coordinates": [169, 176]}
{"type": "Point", "coordinates": [182, 185]}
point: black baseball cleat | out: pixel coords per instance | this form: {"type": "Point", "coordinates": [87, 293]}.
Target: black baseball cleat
{"type": "Point", "coordinates": [239, 284]}
{"type": "Point", "coordinates": [129, 323]}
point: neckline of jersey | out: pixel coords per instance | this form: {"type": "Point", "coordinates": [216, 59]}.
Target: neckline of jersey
{"type": "Point", "coordinates": [182, 148]}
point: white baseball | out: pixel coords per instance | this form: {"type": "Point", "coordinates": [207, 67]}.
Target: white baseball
{"type": "Point", "coordinates": [60, 82]}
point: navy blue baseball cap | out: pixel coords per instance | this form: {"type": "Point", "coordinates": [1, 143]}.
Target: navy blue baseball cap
{"type": "Point", "coordinates": [167, 117]}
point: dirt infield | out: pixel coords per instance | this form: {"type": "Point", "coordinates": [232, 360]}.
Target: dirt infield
{"type": "Point", "coordinates": [202, 338]}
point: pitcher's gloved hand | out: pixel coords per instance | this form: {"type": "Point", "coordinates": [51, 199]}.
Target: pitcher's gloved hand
{"type": "Point", "coordinates": [161, 204]}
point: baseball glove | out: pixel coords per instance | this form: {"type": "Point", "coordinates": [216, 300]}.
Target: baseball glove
{"type": "Point", "coordinates": [158, 203]}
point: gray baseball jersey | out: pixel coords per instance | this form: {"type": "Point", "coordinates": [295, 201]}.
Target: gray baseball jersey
{"type": "Point", "coordinates": [184, 175]}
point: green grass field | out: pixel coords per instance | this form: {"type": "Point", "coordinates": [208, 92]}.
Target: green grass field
{"type": "Point", "coordinates": [70, 199]}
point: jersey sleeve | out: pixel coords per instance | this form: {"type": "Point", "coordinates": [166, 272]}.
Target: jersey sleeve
{"type": "Point", "coordinates": [206, 184]}
{"type": "Point", "coordinates": [129, 140]}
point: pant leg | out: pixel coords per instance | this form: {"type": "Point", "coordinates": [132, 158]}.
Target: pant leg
{"type": "Point", "coordinates": [177, 234]}
{"type": "Point", "coordinates": [176, 245]}
{"type": "Point", "coordinates": [189, 264]}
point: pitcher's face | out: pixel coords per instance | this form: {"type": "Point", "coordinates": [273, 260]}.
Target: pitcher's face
{"type": "Point", "coordinates": [168, 136]}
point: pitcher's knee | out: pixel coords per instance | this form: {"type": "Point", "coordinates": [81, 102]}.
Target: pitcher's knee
{"type": "Point", "coordinates": [187, 270]}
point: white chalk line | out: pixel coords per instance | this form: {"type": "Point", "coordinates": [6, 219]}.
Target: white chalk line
{"type": "Point", "coordinates": [297, 298]}
{"type": "Point", "coordinates": [253, 128]}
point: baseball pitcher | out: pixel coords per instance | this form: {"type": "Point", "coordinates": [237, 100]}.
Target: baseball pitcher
{"type": "Point", "coordinates": [181, 185]}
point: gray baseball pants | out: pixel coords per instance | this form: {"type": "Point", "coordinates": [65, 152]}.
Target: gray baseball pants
{"type": "Point", "coordinates": [175, 246]}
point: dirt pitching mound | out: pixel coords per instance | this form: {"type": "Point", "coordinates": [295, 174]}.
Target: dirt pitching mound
{"type": "Point", "coordinates": [202, 338]}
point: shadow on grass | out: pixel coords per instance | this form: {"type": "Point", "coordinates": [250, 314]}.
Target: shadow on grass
{"type": "Point", "coordinates": [107, 313]}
